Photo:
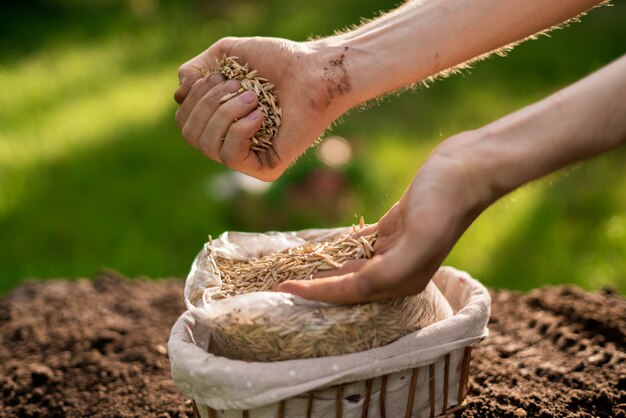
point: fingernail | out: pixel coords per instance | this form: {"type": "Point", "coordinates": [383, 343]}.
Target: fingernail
{"type": "Point", "coordinates": [215, 78]}
{"type": "Point", "coordinates": [231, 86]}
{"type": "Point", "coordinates": [182, 81]}
{"type": "Point", "coordinates": [254, 115]}
{"type": "Point", "coordinates": [247, 97]}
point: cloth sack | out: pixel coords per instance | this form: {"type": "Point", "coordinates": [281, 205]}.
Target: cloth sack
{"type": "Point", "coordinates": [273, 326]}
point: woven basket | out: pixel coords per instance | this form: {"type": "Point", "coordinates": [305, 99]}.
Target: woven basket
{"type": "Point", "coordinates": [423, 374]}
{"type": "Point", "coordinates": [370, 398]}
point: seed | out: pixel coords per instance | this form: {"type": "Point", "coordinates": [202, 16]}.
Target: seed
{"type": "Point", "coordinates": [227, 97]}
{"type": "Point", "coordinates": [303, 331]}
{"type": "Point", "coordinates": [266, 95]}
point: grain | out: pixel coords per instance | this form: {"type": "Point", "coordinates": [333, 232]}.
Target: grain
{"type": "Point", "coordinates": [266, 95]}
{"type": "Point", "coordinates": [295, 331]}
{"type": "Point", "coordinates": [298, 263]}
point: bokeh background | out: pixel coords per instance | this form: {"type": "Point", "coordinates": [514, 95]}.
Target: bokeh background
{"type": "Point", "coordinates": [94, 173]}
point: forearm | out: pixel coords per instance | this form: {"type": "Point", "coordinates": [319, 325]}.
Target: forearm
{"type": "Point", "coordinates": [423, 38]}
{"type": "Point", "coordinates": [574, 124]}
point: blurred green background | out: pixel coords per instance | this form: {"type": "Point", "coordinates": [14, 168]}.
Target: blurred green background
{"type": "Point", "coordinates": [94, 173]}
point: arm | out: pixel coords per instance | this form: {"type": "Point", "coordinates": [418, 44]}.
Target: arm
{"type": "Point", "coordinates": [470, 171]}
{"type": "Point", "coordinates": [424, 38]}
{"type": "Point", "coordinates": [318, 81]}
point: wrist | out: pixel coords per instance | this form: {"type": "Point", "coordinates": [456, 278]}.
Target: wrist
{"type": "Point", "coordinates": [502, 156]}
{"type": "Point", "coordinates": [472, 153]}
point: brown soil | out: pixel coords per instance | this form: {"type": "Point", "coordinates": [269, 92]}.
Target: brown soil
{"type": "Point", "coordinates": [89, 348]}
{"type": "Point", "coordinates": [97, 348]}
{"type": "Point", "coordinates": [553, 352]}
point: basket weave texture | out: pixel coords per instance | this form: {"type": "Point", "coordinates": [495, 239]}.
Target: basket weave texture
{"type": "Point", "coordinates": [373, 398]}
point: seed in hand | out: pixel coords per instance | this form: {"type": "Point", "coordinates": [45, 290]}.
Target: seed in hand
{"type": "Point", "coordinates": [267, 98]}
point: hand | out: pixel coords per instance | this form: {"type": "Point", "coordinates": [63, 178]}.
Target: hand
{"type": "Point", "coordinates": [318, 81]}
{"type": "Point", "coordinates": [305, 93]}
{"type": "Point", "coordinates": [414, 237]}
{"type": "Point", "coordinates": [467, 173]}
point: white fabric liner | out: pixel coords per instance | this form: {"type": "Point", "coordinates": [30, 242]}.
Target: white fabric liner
{"type": "Point", "coordinates": [228, 384]}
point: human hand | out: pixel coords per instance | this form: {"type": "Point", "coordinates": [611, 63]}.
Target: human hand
{"type": "Point", "coordinates": [308, 94]}
{"type": "Point", "coordinates": [467, 173]}
{"type": "Point", "coordinates": [414, 237]}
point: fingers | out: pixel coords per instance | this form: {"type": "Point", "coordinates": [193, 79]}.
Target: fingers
{"type": "Point", "coordinates": [368, 230]}
{"type": "Point", "coordinates": [197, 92]}
{"type": "Point", "coordinates": [221, 130]}
{"type": "Point", "coordinates": [390, 227]}
{"type": "Point", "coordinates": [196, 68]}
{"type": "Point", "coordinates": [203, 109]}
{"type": "Point", "coordinates": [349, 266]}
{"type": "Point", "coordinates": [354, 287]}
{"type": "Point", "coordinates": [188, 74]}
{"type": "Point", "coordinates": [383, 277]}
{"type": "Point", "coordinates": [326, 285]}
{"type": "Point", "coordinates": [403, 270]}
{"type": "Point", "coordinates": [337, 289]}
{"type": "Point", "coordinates": [236, 145]}
{"type": "Point", "coordinates": [216, 129]}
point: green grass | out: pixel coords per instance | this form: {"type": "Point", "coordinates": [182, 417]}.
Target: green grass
{"type": "Point", "coordinates": [94, 173]}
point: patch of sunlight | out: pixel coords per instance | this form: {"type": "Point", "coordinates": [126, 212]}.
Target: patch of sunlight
{"type": "Point", "coordinates": [598, 272]}
{"type": "Point", "coordinates": [54, 75]}
{"type": "Point", "coordinates": [84, 123]}
{"type": "Point", "coordinates": [615, 228]}
{"type": "Point", "coordinates": [78, 125]}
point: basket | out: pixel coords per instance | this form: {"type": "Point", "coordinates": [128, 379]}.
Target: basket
{"type": "Point", "coordinates": [422, 374]}
{"type": "Point", "coordinates": [371, 398]}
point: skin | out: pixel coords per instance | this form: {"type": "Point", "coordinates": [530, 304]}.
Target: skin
{"type": "Point", "coordinates": [466, 174]}
{"type": "Point", "coordinates": [290, 67]}
{"type": "Point", "coordinates": [320, 80]}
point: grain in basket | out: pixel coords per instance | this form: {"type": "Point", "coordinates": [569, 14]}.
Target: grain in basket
{"type": "Point", "coordinates": [256, 325]}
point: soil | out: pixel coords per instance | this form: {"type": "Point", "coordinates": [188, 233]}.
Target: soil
{"type": "Point", "coordinates": [89, 348]}
{"type": "Point", "coordinates": [98, 348]}
{"type": "Point", "coordinates": [553, 352]}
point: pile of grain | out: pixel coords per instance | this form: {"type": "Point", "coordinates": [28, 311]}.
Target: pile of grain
{"type": "Point", "coordinates": [264, 90]}
{"type": "Point", "coordinates": [299, 263]}
{"type": "Point", "coordinates": [293, 331]}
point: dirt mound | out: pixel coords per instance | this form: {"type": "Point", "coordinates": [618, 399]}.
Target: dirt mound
{"type": "Point", "coordinates": [553, 352]}
{"type": "Point", "coordinates": [98, 348]}
{"type": "Point", "coordinates": [89, 348]}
